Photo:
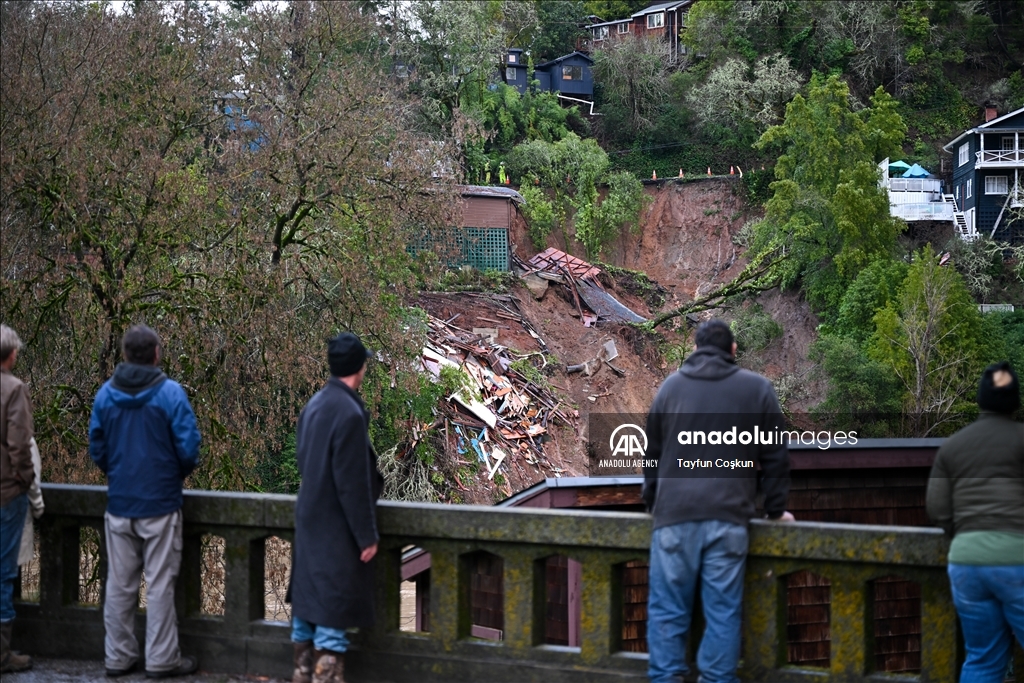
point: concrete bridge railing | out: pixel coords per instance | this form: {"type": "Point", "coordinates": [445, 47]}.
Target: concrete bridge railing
{"type": "Point", "coordinates": [237, 638]}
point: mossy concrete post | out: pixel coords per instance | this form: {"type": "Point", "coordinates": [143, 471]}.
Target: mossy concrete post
{"type": "Point", "coordinates": [938, 631]}
{"type": "Point", "coordinates": [764, 621]}
{"type": "Point", "coordinates": [848, 624]}
{"type": "Point", "coordinates": [387, 588]}
{"type": "Point", "coordinates": [519, 609]}
{"type": "Point", "coordinates": [243, 592]}
{"type": "Point", "coordinates": [449, 609]}
{"type": "Point", "coordinates": [596, 637]}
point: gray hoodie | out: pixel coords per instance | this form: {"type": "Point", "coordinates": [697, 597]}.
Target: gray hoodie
{"type": "Point", "coordinates": [710, 393]}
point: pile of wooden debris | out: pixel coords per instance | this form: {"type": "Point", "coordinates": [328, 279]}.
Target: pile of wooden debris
{"type": "Point", "coordinates": [501, 415]}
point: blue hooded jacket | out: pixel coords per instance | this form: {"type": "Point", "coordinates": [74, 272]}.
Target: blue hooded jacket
{"type": "Point", "coordinates": [143, 435]}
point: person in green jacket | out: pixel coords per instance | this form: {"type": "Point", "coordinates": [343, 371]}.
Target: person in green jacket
{"type": "Point", "coordinates": [976, 493]}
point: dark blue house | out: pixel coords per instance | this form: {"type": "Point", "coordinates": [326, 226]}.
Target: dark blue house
{"type": "Point", "coordinates": [988, 175]}
{"type": "Point", "coordinates": [570, 75]}
{"type": "Point", "coordinates": [515, 69]}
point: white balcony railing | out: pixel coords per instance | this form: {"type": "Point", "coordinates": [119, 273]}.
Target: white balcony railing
{"type": "Point", "coordinates": [1000, 156]}
{"type": "Point", "coordinates": [930, 211]}
{"type": "Point", "coordinates": [915, 185]}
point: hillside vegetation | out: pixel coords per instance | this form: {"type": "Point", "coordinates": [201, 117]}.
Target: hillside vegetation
{"type": "Point", "coordinates": [246, 176]}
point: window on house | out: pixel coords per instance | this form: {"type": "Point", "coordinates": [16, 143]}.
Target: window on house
{"type": "Point", "coordinates": [996, 184]}
{"type": "Point", "coordinates": [623, 28]}
{"type": "Point", "coordinates": [572, 73]}
{"type": "Point", "coordinates": [600, 33]}
{"type": "Point", "coordinates": [656, 20]}
{"type": "Point", "coordinates": [958, 195]}
{"type": "Point", "coordinates": [962, 157]}
{"type": "Point", "coordinates": [512, 58]}
{"type": "Point", "coordinates": [1008, 143]}
{"type": "Point", "coordinates": [510, 73]}
{"type": "Point", "coordinates": [969, 191]}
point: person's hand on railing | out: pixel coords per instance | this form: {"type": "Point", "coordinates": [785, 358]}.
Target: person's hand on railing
{"type": "Point", "coordinates": [786, 516]}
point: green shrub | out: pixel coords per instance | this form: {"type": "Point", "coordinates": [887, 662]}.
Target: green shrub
{"type": "Point", "coordinates": [754, 329]}
{"type": "Point", "coordinates": [539, 213]}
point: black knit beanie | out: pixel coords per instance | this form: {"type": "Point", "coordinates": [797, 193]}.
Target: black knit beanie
{"type": "Point", "coordinates": [1004, 399]}
{"type": "Point", "coordinates": [346, 354]}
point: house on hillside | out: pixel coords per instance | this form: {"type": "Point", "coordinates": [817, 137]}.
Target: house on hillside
{"type": "Point", "coordinates": [988, 176]}
{"type": "Point", "coordinates": [482, 241]}
{"type": "Point", "coordinates": [663, 19]}
{"type": "Point", "coordinates": [916, 195]}
{"type": "Point", "coordinates": [570, 75]}
{"type": "Point", "coordinates": [514, 69]}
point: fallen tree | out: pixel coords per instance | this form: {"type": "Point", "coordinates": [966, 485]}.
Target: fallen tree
{"type": "Point", "coordinates": [760, 275]}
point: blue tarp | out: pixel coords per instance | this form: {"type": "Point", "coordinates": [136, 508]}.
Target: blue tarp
{"type": "Point", "coordinates": [916, 171]}
{"type": "Point", "coordinates": [899, 166]}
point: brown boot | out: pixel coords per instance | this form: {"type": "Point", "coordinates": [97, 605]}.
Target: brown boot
{"type": "Point", "coordinates": [330, 667]}
{"type": "Point", "coordinates": [11, 661]}
{"type": "Point", "coordinates": [303, 662]}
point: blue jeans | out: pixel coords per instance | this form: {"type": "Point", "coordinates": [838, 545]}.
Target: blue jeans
{"type": "Point", "coordinates": [323, 637]}
{"type": "Point", "coordinates": [716, 553]}
{"type": "Point", "coordinates": [990, 603]}
{"type": "Point", "coordinates": [12, 521]}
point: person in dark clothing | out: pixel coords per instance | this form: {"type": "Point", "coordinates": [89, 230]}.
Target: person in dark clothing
{"type": "Point", "coordinates": [336, 537]}
{"type": "Point", "coordinates": [143, 435]}
{"type": "Point", "coordinates": [976, 493]}
{"type": "Point", "coordinates": [709, 428]}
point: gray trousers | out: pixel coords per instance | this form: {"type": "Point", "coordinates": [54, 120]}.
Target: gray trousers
{"type": "Point", "coordinates": [153, 543]}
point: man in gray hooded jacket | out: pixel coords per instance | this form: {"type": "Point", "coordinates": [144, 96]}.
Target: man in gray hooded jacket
{"type": "Point", "coordinates": [710, 428]}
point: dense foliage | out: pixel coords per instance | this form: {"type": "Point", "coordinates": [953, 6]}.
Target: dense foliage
{"type": "Point", "coordinates": [827, 210]}
{"type": "Point", "coordinates": [141, 184]}
{"type": "Point", "coordinates": [245, 179]}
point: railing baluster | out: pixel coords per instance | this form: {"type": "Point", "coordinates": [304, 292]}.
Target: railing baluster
{"type": "Point", "coordinates": [764, 608]}
{"type": "Point", "coordinates": [520, 599]}
{"type": "Point", "coordinates": [449, 597]}
{"type": "Point", "coordinates": [243, 580]}
{"type": "Point", "coordinates": [848, 623]}
{"type": "Point", "coordinates": [938, 631]}
{"type": "Point", "coordinates": [596, 619]}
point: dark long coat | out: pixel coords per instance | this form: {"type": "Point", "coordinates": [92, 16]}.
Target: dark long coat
{"type": "Point", "coordinates": [336, 512]}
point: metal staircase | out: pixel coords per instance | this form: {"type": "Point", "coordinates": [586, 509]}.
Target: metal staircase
{"type": "Point", "coordinates": [966, 232]}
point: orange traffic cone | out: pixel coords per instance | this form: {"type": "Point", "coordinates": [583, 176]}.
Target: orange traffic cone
{"type": "Point", "coordinates": [680, 173]}
{"type": "Point", "coordinates": [732, 171]}
{"type": "Point", "coordinates": [709, 171]}
{"type": "Point", "coordinates": [654, 175]}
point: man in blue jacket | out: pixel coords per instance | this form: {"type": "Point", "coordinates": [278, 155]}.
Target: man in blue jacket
{"type": "Point", "coordinates": [143, 435]}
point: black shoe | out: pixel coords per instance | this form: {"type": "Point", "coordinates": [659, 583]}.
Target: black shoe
{"type": "Point", "coordinates": [188, 665]}
{"type": "Point", "coordinates": [115, 673]}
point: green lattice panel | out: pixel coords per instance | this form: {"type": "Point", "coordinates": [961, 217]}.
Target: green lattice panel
{"type": "Point", "coordinates": [482, 248]}
{"type": "Point", "coordinates": [485, 248]}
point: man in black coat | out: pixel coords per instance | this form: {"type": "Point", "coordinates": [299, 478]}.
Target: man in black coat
{"type": "Point", "coordinates": [335, 518]}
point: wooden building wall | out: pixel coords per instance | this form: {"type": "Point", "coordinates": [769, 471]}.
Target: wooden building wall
{"type": "Point", "coordinates": [487, 212]}
{"type": "Point", "coordinates": [487, 595]}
